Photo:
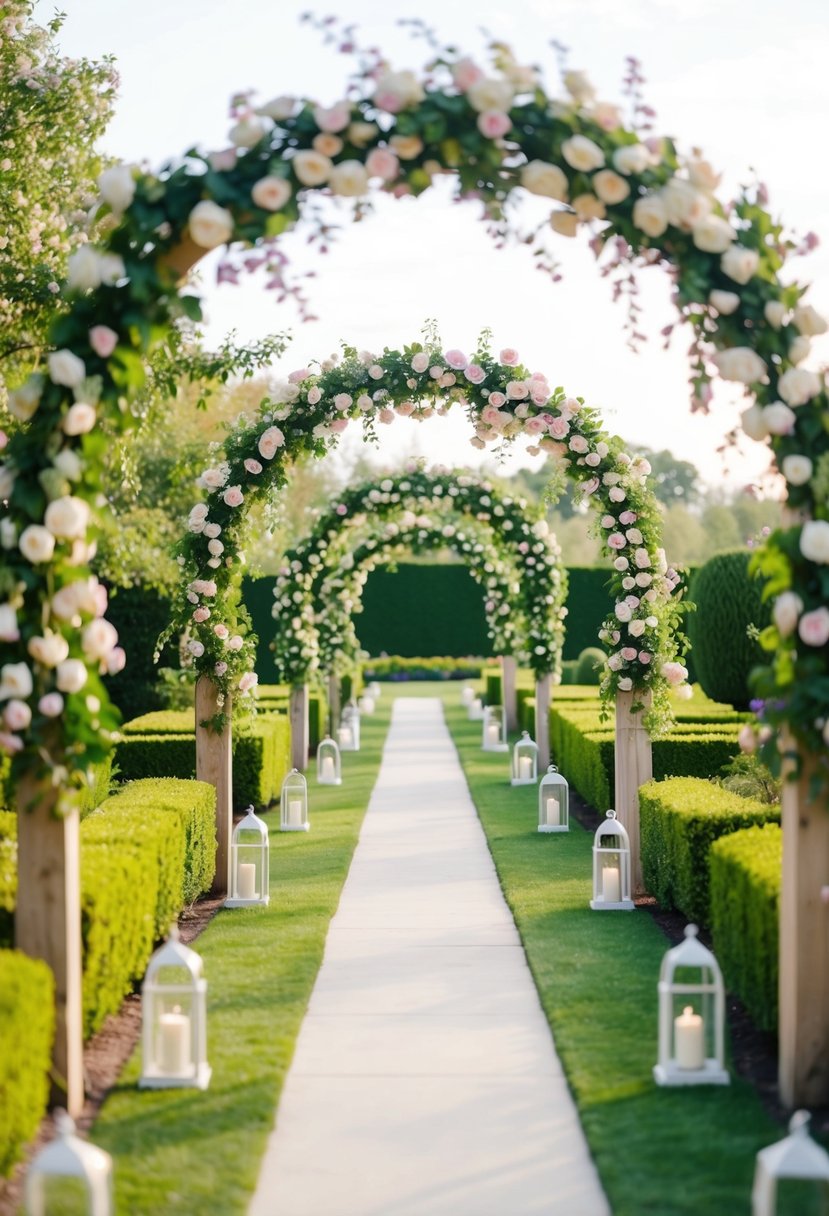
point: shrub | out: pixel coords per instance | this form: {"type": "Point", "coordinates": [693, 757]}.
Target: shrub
{"type": "Point", "coordinates": [8, 876]}
{"type": "Point", "coordinates": [397, 668]}
{"type": "Point", "coordinates": [193, 806]}
{"type": "Point", "coordinates": [139, 614]}
{"type": "Point", "coordinates": [745, 916]}
{"type": "Point", "coordinates": [317, 723]}
{"type": "Point", "coordinates": [590, 666]}
{"type": "Point", "coordinates": [27, 1027]}
{"type": "Point", "coordinates": [727, 602]}
{"type": "Point", "coordinates": [750, 778]}
{"type": "Point", "coordinates": [679, 820]}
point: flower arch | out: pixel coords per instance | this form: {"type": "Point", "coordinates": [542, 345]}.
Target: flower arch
{"type": "Point", "coordinates": [509, 549]}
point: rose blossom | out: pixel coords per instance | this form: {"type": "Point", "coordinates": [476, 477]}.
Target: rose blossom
{"type": "Point", "coordinates": [210, 225]}
{"type": "Point", "coordinates": [420, 362]}
{"type": "Point", "coordinates": [22, 402]}
{"type": "Point", "coordinates": [493, 124]}
{"type": "Point", "coordinates": [382, 163]}
{"type": "Point", "coordinates": [813, 627]}
{"type": "Point", "coordinates": [117, 187]}
{"type": "Point", "coordinates": [754, 423]}
{"type": "Point", "coordinates": [221, 631]}
{"type": "Point", "coordinates": [674, 673]}
{"type": "Point", "coordinates": [809, 321]}
{"type": "Point", "coordinates": [625, 684]}
{"type": "Point", "coordinates": [70, 675]}
{"type": "Point", "coordinates": [247, 132]}
{"type": "Point", "coordinates": [48, 650]}
{"type": "Point", "coordinates": [725, 302]}
{"type": "Point", "coordinates": [311, 168]}
{"type": "Point", "coordinates": [10, 743]}
{"type": "Point", "coordinates": [775, 313]}
{"type": "Point", "coordinates": [799, 348]}
{"type": "Point", "coordinates": [797, 386]}
{"type": "Point", "coordinates": [650, 215]}
{"type": "Point", "coordinates": [616, 540]}
{"type": "Point", "coordinates": [249, 680]}
{"type": "Point", "coordinates": [271, 193]}
{"type": "Point", "coordinates": [490, 94]}
{"type": "Point", "coordinates": [220, 669]}
{"type": "Point", "coordinates": [615, 662]}
{"type": "Point", "coordinates": [713, 234]}
{"type": "Point", "coordinates": [582, 153]}
{"type": "Point", "coordinates": [233, 496]}
{"type": "Point", "coordinates": [475, 374]}
{"type": "Point", "coordinates": [779, 419]}
{"type": "Point", "coordinates": [333, 118]}
{"type": "Point", "coordinates": [349, 179]}
{"type": "Point", "coordinates": [578, 444]}
{"type": "Point", "coordinates": [456, 359]}
{"type": "Point", "coordinates": [201, 614]}
{"type": "Point", "coordinates": [540, 177]}
{"type": "Point", "coordinates": [66, 369]}
{"type": "Point", "coordinates": [634, 158]}
{"type": "Point", "coordinates": [396, 90]}
{"type": "Point", "coordinates": [15, 681]}
{"type": "Point", "coordinates": [67, 518]}
{"type": "Point", "coordinates": [623, 611]}
{"type": "Point", "coordinates": [739, 363]}
{"type": "Point", "coordinates": [610, 187]}
{"type": "Point", "coordinates": [685, 206]}
{"type": "Point", "coordinates": [407, 147]}
{"type": "Point", "coordinates": [797, 469]}
{"type": "Point", "coordinates": [51, 705]}
{"type": "Point", "coordinates": [785, 612]}
{"type": "Point", "coordinates": [9, 630]}
{"type": "Point", "coordinates": [269, 441]}
{"type": "Point", "coordinates": [740, 264]}
{"type": "Point", "coordinates": [37, 544]}
{"type": "Point", "coordinates": [235, 643]}
{"type": "Point", "coordinates": [79, 419]}
{"type": "Point", "coordinates": [629, 652]}
{"type": "Point", "coordinates": [465, 73]}
{"type": "Point", "coordinates": [98, 639]}
{"type": "Point", "coordinates": [814, 541]}
{"type": "Point", "coordinates": [588, 207]}
{"type": "Point", "coordinates": [616, 494]}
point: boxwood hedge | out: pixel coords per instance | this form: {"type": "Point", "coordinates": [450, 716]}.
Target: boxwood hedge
{"type": "Point", "coordinates": [27, 1027]}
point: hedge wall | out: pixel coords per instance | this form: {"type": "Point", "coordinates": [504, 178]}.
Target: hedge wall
{"type": "Point", "coordinates": [745, 916]}
{"type": "Point", "coordinates": [679, 820]}
{"type": "Point", "coordinates": [397, 668]}
{"type": "Point", "coordinates": [139, 615]}
{"type": "Point", "coordinates": [27, 1028]}
{"type": "Point", "coordinates": [444, 600]}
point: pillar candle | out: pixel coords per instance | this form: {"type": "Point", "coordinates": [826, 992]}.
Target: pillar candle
{"type": "Point", "coordinates": [611, 887]}
{"type": "Point", "coordinates": [689, 1039]}
{"type": "Point", "coordinates": [525, 767]}
{"type": "Point", "coordinates": [493, 734]}
{"type": "Point", "coordinates": [327, 772]}
{"type": "Point", "coordinates": [366, 704]}
{"type": "Point", "coordinates": [246, 880]}
{"type": "Point", "coordinates": [467, 695]}
{"type": "Point", "coordinates": [475, 707]}
{"type": "Point", "coordinates": [553, 812]}
{"type": "Point", "coordinates": [295, 812]}
{"type": "Point", "coordinates": [174, 1042]}
{"type": "Point", "coordinates": [344, 735]}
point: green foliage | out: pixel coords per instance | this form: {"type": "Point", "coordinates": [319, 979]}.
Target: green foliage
{"type": "Point", "coordinates": [679, 820]}
{"type": "Point", "coordinates": [97, 788]}
{"type": "Point", "coordinates": [317, 724]}
{"type": "Point", "coordinates": [139, 613]}
{"type": "Point", "coordinates": [445, 601]}
{"type": "Point", "coordinates": [591, 663]}
{"type": "Point", "coordinates": [398, 668]}
{"type": "Point", "coordinates": [745, 915]}
{"type": "Point", "coordinates": [749, 777]}
{"type": "Point", "coordinates": [728, 601]}
{"type": "Point", "coordinates": [27, 1027]}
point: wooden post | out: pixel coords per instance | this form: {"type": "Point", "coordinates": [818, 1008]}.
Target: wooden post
{"type": "Point", "coordinates": [804, 946]}
{"type": "Point", "coordinates": [299, 726]}
{"type": "Point", "coordinates": [333, 704]}
{"type": "Point", "coordinates": [214, 764]}
{"type": "Point", "coordinates": [47, 924]}
{"type": "Point", "coordinates": [543, 693]}
{"type": "Point", "coordinates": [634, 766]}
{"type": "Point", "coordinates": [509, 674]}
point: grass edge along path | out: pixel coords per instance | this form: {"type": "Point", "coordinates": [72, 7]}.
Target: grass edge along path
{"type": "Point", "coordinates": [188, 1151]}
{"type": "Point", "coordinates": [659, 1152]}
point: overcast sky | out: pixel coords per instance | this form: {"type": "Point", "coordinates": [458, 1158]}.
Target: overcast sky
{"type": "Point", "coordinates": [746, 84]}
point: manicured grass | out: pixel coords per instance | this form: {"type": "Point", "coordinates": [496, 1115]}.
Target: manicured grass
{"type": "Point", "coordinates": [666, 1152]}
{"type": "Point", "coordinates": [191, 1152]}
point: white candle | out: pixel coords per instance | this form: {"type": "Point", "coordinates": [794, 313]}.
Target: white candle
{"type": "Point", "coordinates": [689, 1039]}
{"type": "Point", "coordinates": [366, 704]}
{"type": "Point", "coordinates": [475, 707]}
{"type": "Point", "coordinates": [553, 812]}
{"type": "Point", "coordinates": [525, 767]}
{"type": "Point", "coordinates": [174, 1043]}
{"type": "Point", "coordinates": [246, 879]}
{"type": "Point", "coordinates": [493, 734]}
{"type": "Point", "coordinates": [344, 735]}
{"type": "Point", "coordinates": [611, 887]}
{"type": "Point", "coordinates": [374, 689]}
{"type": "Point", "coordinates": [467, 695]}
{"type": "Point", "coordinates": [295, 812]}
{"type": "Point", "coordinates": [327, 772]}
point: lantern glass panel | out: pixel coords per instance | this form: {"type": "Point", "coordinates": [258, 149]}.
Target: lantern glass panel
{"type": "Point", "coordinates": [525, 761]}
{"type": "Point", "coordinates": [553, 802]}
{"type": "Point", "coordinates": [348, 732]}
{"type": "Point", "coordinates": [60, 1196]}
{"type": "Point", "coordinates": [494, 729]}
{"type": "Point", "coordinates": [328, 763]}
{"type": "Point", "coordinates": [294, 803]}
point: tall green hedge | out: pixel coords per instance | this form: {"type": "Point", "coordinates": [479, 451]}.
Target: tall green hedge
{"type": "Point", "coordinates": [139, 614]}
{"type": "Point", "coordinates": [746, 872]}
{"type": "Point", "coordinates": [727, 602]}
{"type": "Point", "coordinates": [27, 1028]}
{"type": "Point", "coordinates": [679, 820]}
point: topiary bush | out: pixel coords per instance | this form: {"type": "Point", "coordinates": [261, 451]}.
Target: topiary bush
{"type": "Point", "coordinates": [27, 1028]}
{"type": "Point", "coordinates": [590, 665]}
{"type": "Point", "coordinates": [728, 601]}
{"type": "Point", "coordinates": [746, 869]}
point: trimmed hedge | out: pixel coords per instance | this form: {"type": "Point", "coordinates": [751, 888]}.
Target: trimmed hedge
{"type": "Point", "coordinates": [397, 667]}
{"type": "Point", "coordinates": [27, 1028]}
{"type": "Point", "coordinates": [746, 869]}
{"type": "Point", "coordinates": [8, 875]}
{"type": "Point", "coordinates": [727, 600]}
{"type": "Point", "coordinates": [445, 600]}
{"type": "Point", "coordinates": [679, 820]}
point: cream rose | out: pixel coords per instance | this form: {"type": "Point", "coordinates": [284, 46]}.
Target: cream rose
{"type": "Point", "coordinates": [635, 158]}
{"type": "Point", "coordinates": [9, 630]}
{"type": "Point", "coordinates": [814, 541]}
{"type": "Point", "coordinates": [545, 179]}
{"type": "Point", "coordinates": [17, 715]}
{"type": "Point", "coordinates": [713, 234]}
{"type": "Point", "coordinates": [278, 108]}
{"type": "Point", "coordinates": [210, 225]}
{"type": "Point", "coordinates": [703, 176]}
{"type": "Point", "coordinates": [84, 269]}
{"type": "Point", "coordinates": [79, 419]}
{"type": "Point", "coordinates": [775, 313]}
{"type": "Point", "coordinates": [70, 675]}
{"type": "Point", "coordinates": [396, 90]}
{"type": "Point", "coordinates": [579, 87]}
{"type": "Point", "coordinates": [797, 469]}
{"type": "Point", "coordinates": [779, 418]}
{"type": "Point", "coordinates": [809, 321]}
{"type": "Point", "coordinates": [754, 423]}
{"type": "Point", "coordinates": [67, 518]}
{"type": "Point", "coordinates": [490, 94]}
{"type": "Point", "coordinates": [799, 348]}
{"type": "Point", "coordinates": [582, 153]}
{"type": "Point", "coordinates": [685, 206]}
{"type": "Point", "coordinates": [69, 464]}
{"type": "Point", "coordinates": [271, 193]}
{"type": "Point", "coordinates": [725, 302]}
{"type": "Point", "coordinates": [311, 168]}
{"type": "Point", "coordinates": [740, 264]}
{"type": "Point", "coordinates": [48, 649]}
{"type": "Point", "coordinates": [246, 133]}
{"type": "Point", "coordinates": [588, 207]}
{"type": "Point", "coordinates": [650, 215]}
{"type": "Point", "coordinates": [565, 223]}
{"type": "Point", "coordinates": [117, 187]}
{"type": "Point", "coordinates": [739, 363]}
{"type": "Point", "coordinates": [66, 368]}
{"type": "Point", "coordinates": [15, 681]}
{"type": "Point", "coordinates": [37, 544]}
{"type": "Point", "coordinates": [349, 179]}
{"type": "Point", "coordinates": [269, 441]}
{"type": "Point", "coordinates": [610, 187]}
{"type": "Point", "coordinates": [797, 386]}
{"type": "Point", "coordinates": [98, 639]}
{"type": "Point", "coordinates": [23, 401]}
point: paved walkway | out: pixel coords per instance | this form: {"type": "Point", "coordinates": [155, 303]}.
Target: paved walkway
{"type": "Point", "coordinates": [425, 1081]}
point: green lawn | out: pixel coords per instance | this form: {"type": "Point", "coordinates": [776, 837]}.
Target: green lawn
{"type": "Point", "coordinates": [191, 1152]}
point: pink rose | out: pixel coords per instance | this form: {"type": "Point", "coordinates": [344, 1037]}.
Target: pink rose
{"type": "Point", "coordinates": [616, 540]}
{"type": "Point", "coordinates": [253, 466]}
{"type": "Point", "coordinates": [465, 73]}
{"type": "Point", "coordinates": [625, 684]}
{"type": "Point", "coordinates": [475, 374]}
{"type": "Point", "coordinates": [674, 673]}
{"type": "Point", "coordinates": [338, 425]}
{"type": "Point", "coordinates": [51, 705]}
{"type": "Point", "coordinates": [386, 415]}
{"type": "Point", "coordinates": [497, 399]}
{"type": "Point", "coordinates": [10, 743]}
{"type": "Point", "coordinates": [17, 715]}
{"type": "Point", "coordinates": [616, 494]}
{"type": "Point", "coordinates": [533, 426]}
{"type": "Point", "coordinates": [628, 653]}
{"type": "Point", "coordinates": [420, 362]}
{"type": "Point", "coordinates": [314, 395]}
{"type": "Point", "coordinates": [813, 627]}
{"type": "Point", "coordinates": [383, 163]}
{"type": "Point", "coordinates": [628, 517]}
{"type": "Point", "coordinates": [493, 124]}
{"type": "Point", "coordinates": [405, 408]}
{"type": "Point", "coordinates": [249, 680]}
{"type": "Point", "coordinates": [220, 669]}
{"type": "Point", "coordinates": [623, 611]}
{"type": "Point", "coordinates": [590, 486]}
{"type": "Point", "coordinates": [103, 340]}
{"type": "Point", "coordinates": [642, 559]}
{"type": "Point", "coordinates": [436, 371]}
{"type": "Point", "coordinates": [233, 496]}
{"type": "Point", "coordinates": [509, 357]}
{"type": "Point", "coordinates": [517, 390]}
{"type": "Point", "coordinates": [560, 429]}
{"type": "Point", "coordinates": [299, 375]}
{"type": "Point", "coordinates": [269, 441]}
{"type": "Point", "coordinates": [456, 359]}
{"type": "Point", "coordinates": [201, 614]}
{"type": "Point", "coordinates": [645, 656]}
{"type": "Point", "coordinates": [376, 371]}
{"type": "Point", "coordinates": [620, 564]}
{"type": "Point", "coordinates": [747, 739]}
{"type": "Point", "coordinates": [333, 118]}
{"type": "Point", "coordinates": [593, 459]}
{"type": "Point", "coordinates": [540, 396]}
{"type": "Point", "coordinates": [579, 444]}
{"type": "Point", "coordinates": [607, 521]}
{"type": "Point", "coordinates": [343, 402]}
{"type": "Point", "coordinates": [221, 631]}
{"type": "Point", "coordinates": [447, 380]}
{"type": "Point", "coordinates": [116, 660]}
{"type": "Point", "coordinates": [236, 642]}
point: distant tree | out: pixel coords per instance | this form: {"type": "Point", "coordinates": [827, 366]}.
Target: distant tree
{"type": "Point", "coordinates": [673, 480]}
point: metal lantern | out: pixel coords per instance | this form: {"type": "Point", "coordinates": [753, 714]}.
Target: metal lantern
{"type": "Point", "coordinates": [611, 867]}
{"type": "Point", "coordinates": [293, 803]}
{"type": "Point", "coordinates": [328, 762]}
{"type": "Point", "coordinates": [174, 1019]}
{"type": "Point", "coordinates": [69, 1167]}
{"type": "Point", "coordinates": [494, 731]}
{"type": "Point", "coordinates": [475, 709]}
{"type": "Point", "coordinates": [553, 802]}
{"type": "Point", "coordinates": [249, 868]}
{"type": "Point", "coordinates": [691, 1016]}
{"type": "Point", "coordinates": [467, 695]}
{"type": "Point", "coordinates": [525, 761]}
{"type": "Point", "coordinates": [796, 1160]}
{"type": "Point", "coordinates": [348, 734]}
{"type": "Point", "coordinates": [366, 704]}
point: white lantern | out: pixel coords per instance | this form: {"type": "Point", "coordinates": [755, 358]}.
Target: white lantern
{"type": "Point", "coordinates": [249, 864]}
{"type": "Point", "coordinates": [611, 867]}
{"type": "Point", "coordinates": [348, 734]}
{"type": "Point", "coordinates": [467, 695]}
{"type": "Point", "coordinates": [328, 762]}
{"type": "Point", "coordinates": [366, 703]}
{"type": "Point", "coordinates": [69, 1168]}
{"type": "Point", "coordinates": [494, 732]}
{"type": "Point", "coordinates": [475, 710]}
{"type": "Point", "coordinates": [553, 802]}
{"type": "Point", "coordinates": [174, 1019]}
{"type": "Point", "coordinates": [374, 690]}
{"type": "Point", "coordinates": [691, 1016]}
{"type": "Point", "coordinates": [293, 803]}
{"type": "Point", "coordinates": [525, 761]}
{"type": "Point", "coordinates": [798, 1162]}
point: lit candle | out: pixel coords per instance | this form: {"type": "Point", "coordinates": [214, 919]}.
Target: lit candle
{"type": "Point", "coordinates": [366, 704]}
{"type": "Point", "coordinates": [174, 1042]}
{"type": "Point", "coordinates": [246, 879]}
{"type": "Point", "coordinates": [327, 772]}
{"type": "Point", "coordinates": [344, 735]}
{"type": "Point", "coordinates": [553, 812]}
{"type": "Point", "coordinates": [295, 813]}
{"type": "Point", "coordinates": [689, 1039]}
{"type": "Point", "coordinates": [475, 707]}
{"type": "Point", "coordinates": [467, 695]}
{"type": "Point", "coordinates": [525, 768]}
{"type": "Point", "coordinates": [493, 734]}
{"type": "Point", "coordinates": [611, 887]}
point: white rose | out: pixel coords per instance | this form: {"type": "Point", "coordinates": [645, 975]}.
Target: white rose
{"type": "Point", "coordinates": [703, 176]}
{"type": "Point", "coordinates": [809, 321]}
{"type": "Point", "coordinates": [48, 650]}
{"type": "Point", "coordinates": [112, 268]}
{"type": "Point", "coordinates": [98, 639]}
{"type": "Point", "coordinates": [83, 271]}
{"type": "Point", "coordinates": [117, 187]}
{"type": "Point", "coordinates": [9, 630]}
{"type": "Point", "coordinates": [579, 87]}
{"type": "Point", "coordinates": [23, 401]}
{"type": "Point", "coordinates": [779, 418]}
{"type": "Point", "coordinates": [17, 715]}
{"type": "Point", "coordinates": [312, 168]}
{"type": "Point", "coordinates": [69, 464]}
{"type": "Point", "coordinates": [775, 313]}
{"type": "Point", "coordinates": [8, 533]}
{"type": "Point", "coordinates": [582, 153]}
{"type": "Point", "coordinates": [15, 681]}
{"type": "Point", "coordinates": [725, 302]}
{"type": "Point", "coordinates": [349, 178]}
{"type": "Point", "coordinates": [246, 133]}
{"type": "Point", "coordinates": [67, 518]}
{"type": "Point", "coordinates": [278, 108]}
{"type": "Point", "coordinates": [198, 514]}
{"type": "Point", "coordinates": [814, 541]}
{"type": "Point", "coordinates": [739, 263]}
{"type": "Point", "coordinates": [799, 348]}
{"type": "Point", "coordinates": [739, 363]}
{"type": "Point", "coordinates": [539, 177]}
{"type": "Point", "coordinates": [754, 422]}
{"type": "Point", "coordinates": [490, 94]}
{"type": "Point", "coordinates": [797, 386]}
{"type": "Point", "coordinates": [685, 206]}
{"type": "Point", "coordinates": [713, 234]}
{"type": "Point", "coordinates": [271, 193]}
{"type": "Point", "coordinates": [70, 675]}
{"type": "Point", "coordinates": [401, 89]}
{"type": "Point", "coordinates": [66, 368]}
{"type": "Point", "coordinates": [785, 612]}
{"type": "Point", "coordinates": [635, 158]}
{"type": "Point", "coordinates": [7, 480]}
{"type": "Point", "coordinates": [79, 419]}
{"type": "Point", "coordinates": [37, 544]}
{"type": "Point", "coordinates": [610, 187]}
{"type": "Point", "coordinates": [210, 225]}
{"type": "Point", "coordinates": [565, 223]}
{"type": "Point", "coordinates": [650, 215]}
{"type": "Point", "coordinates": [797, 469]}
{"type": "Point", "coordinates": [588, 207]}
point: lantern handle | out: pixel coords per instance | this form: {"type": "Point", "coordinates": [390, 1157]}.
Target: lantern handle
{"type": "Point", "coordinates": [551, 768]}
{"type": "Point", "coordinates": [691, 931]}
{"type": "Point", "coordinates": [799, 1124]}
{"type": "Point", "coordinates": [64, 1124]}
{"type": "Point", "coordinates": [611, 815]}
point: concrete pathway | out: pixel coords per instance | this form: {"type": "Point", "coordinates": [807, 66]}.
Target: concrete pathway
{"type": "Point", "coordinates": [425, 1080]}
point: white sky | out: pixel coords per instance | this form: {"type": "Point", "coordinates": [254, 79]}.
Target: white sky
{"type": "Point", "coordinates": [747, 84]}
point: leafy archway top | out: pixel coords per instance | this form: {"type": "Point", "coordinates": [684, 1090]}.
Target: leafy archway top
{"type": "Point", "coordinates": [529, 613]}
